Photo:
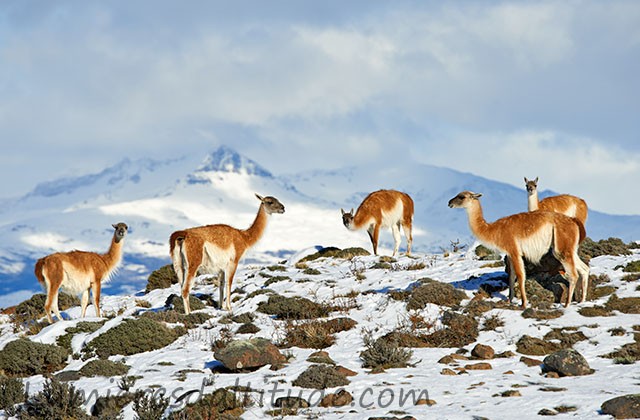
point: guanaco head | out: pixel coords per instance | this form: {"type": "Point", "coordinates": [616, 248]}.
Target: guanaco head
{"type": "Point", "coordinates": [531, 185]}
{"type": "Point", "coordinates": [347, 219]}
{"type": "Point", "coordinates": [271, 204]}
{"type": "Point", "coordinates": [121, 231]}
{"type": "Point", "coordinates": [463, 199]}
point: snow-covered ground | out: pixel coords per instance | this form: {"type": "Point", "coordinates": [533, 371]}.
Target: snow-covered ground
{"type": "Point", "coordinates": [383, 394]}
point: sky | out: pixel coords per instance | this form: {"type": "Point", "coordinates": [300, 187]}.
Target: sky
{"type": "Point", "coordinates": [503, 89]}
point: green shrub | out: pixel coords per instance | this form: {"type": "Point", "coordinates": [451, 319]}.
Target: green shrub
{"type": "Point", "coordinates": [315, 334]}
{"type": "Point", "coordinates": [57, 400]}
{"type": "Point", "coordinates": [460, 330]}
{"type": "Point", "coordinates": [248, 328]}
{"type": "Point", "coordinates": [149, 406]}
{"type": "Point", "coordinates": [293, 308]}
{"type": "Point", "coordinates": [431, 291]}
{"type": "Point", "coordinates": [11, 393]}
{"type": "Point", "coordinates": [162, 278]}
{"type": "Point", "coordinates": [174, 301]}
{"type": "Point", "coordinates": [172, 316]}
{"type": "Point", "coordinates": [133, 336]}
{"type": "Point", "coordinates": [486, 254]}
{"type": "Point", "coordinates": [612, 246]}
{"type": "Point", "coordinates": [81, 327]}
{"type": "Point", "coordinates": [221, 403]}
{"type": "Point", "coordinates": [111, 406]}
{"type": "Point", "coordinates": [24, 357]}
{"type": "Point", "coordinates": [628, 305]}
{"type": "Point", "coordinates": [383, 354]}
{"type": "Point", "coordinates": [321, 377]}
{"type": "Point", "coordinates": [33, 308]}
{"type": "Point", "coordinates": [103, 368]}
{"type": "Point", "coordinates": [632, 267]}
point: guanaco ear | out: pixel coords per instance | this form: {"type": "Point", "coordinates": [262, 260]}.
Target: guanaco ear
{"type": "Point", "coordinates": [114, 226]}
{"type": "Point", "coordinates": [342, 211]}
{"type": "Point", "coordinates": [476, 195]}
{"type": "Point", "coordinates": [536, 180]}
{"type": "Point", "coordinates": [259, 197]}
{"type": "Point", "coordinates": [526, 181]}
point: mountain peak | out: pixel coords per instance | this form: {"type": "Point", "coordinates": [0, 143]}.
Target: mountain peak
{"type": "Point", "coordinates": [226, 159]}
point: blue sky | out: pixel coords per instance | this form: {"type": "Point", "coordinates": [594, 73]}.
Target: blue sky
{"type": "Point", "coordinates": [500, 89]}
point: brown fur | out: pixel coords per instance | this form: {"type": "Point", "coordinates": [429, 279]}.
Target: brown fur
{"type": "Point", "coordinates": [80, 271]}
{"type": "Point", "coordinates": [529, 235]}
{"type": "Point", "coordinates": [188, 250]}
{"type": "Point", "coordinates": [370, 215]}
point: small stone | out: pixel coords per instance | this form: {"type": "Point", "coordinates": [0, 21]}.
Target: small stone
{"type": "Point", "coordinates": [509, 372]}
{"type": "Point", "coordinates": [425, 401]}
{"type": "Point", "coordinates": [479, 366]}
{"type": "Point", "coordinates": [458, 356]}
{"type": "Point", "coordinates": [339, 399]}
{"type": "Point", "coordinates": [341, 370]}
{"type": "Point", "coordinates": [530, 362]}
{"type": "Point", "coordinates": [481, 351]}
{"type": "Point", "coordinates": [447, 360]}
{"type": "Point", "coordinates": [547, 412]}
{"type": "Point", "coordinates": [553, 375]}
{"type": "Point", "coordinates": [291, 402]}
{"type": "Point", "coordinates": [505, 355]}
{"type": "Point", "coordinates": [320, 357]}
{"type": "Point", "coordinates": [510, 393]}
{"type": "Point", "coordinates": [447, 371]}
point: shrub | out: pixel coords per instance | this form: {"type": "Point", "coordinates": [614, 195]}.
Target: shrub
{"type": "Point", "coordinates": [221, 403]}
{"type": "Point", "coordinates": [174, 301]}
{"type": "Point", "coordinates": [248, 328]}
{"type": "Point", "coordinates": [460, 330]}
{"type": "Point", "coordinates": [81, 327]}
{"type": "Point", "coordinates": [103, 368]}
{"type": "Point", "coordinates": [24, 357]}
{"type": "Point", "coordinates": [628, 305]}
{"type": "Point", "coordinates": [383, 354]}
{"type": "Point", "coordinates": [491, 322]}
{"type": "Point", "coordinates": [33, 308]}
{"type": "Point", "coordinates": [486, 254]}
{"type": "Point", "coordinates": [592, 311]}
{"type": "Point", "coordinates": [11, 393]}
{"type": "Point", "coordinates": [149, 406]}
{"type": "Point", "coordinates": [133, 336]}
{"type": "Point", "coordinates": [162, 278]}
{"type": "Point", "coordinates": [320, 377]}
{"type": "Point", "coordinates": [333, 252]}
{"type": "Point", "coordinates": [431, 291]}
{"type": "Point", "coordinates": [293, 308]}
{"type": "Point", "coordinates": [315, 334]}
{"type": "Point", "coordinates": [57, 400]}
{"type": "Point", "coordinates": [172, 316]}
{"type": "Point", "coordinates": [632, 267]}
{"type": "Point", "coordinates": [111, 406]}
{"type": "Point", "coordinates": [535, 346]}
{"type": "Point", "coordinates": [612, 246]}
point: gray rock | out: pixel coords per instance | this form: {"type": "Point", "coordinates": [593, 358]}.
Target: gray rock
{"type": "Point", "coordinates": [249, 354]}
{"type": "Point", "coordinates": [567, 362]}
{"type": "Point", "coordinates": [624, 407]}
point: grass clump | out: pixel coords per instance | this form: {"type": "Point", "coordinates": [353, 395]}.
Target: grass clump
{"type": "Point", "coordinates": [320, 377]}
{"type": "Point", "coordinates": [11, 393]}
{"type": "Point", "coordinates": [535, 346]}
{"type": "Point", "coordinates": [315, 334]}
{"type": "Point", "coordinates": [33, 308]}
{"type": "Point", "coordinates": [105, 368]}
{"type": "Point", "coordinates": [172, 316]}
{"type": "Point", "coordinates": [628, 305]}
{"type": "Point", "coordinates": [133, 336]}
{"type": "Point", "coordinates": [222, 403]}
{"type": "Point", "coordinates": [81, 327]}
{"type": "Point", "coordinates": [162, 278]}
{"type": "Point", "coordinates": [383, 353]}
{"type": "Point", "coordinates": [293, 308]}
{"type": "Point", "coordinates": [57, 400]}
{"type": "Point", "coordinates": [111, 406]}
{"type": "Point", "coordinates": [149, 406]}
{"type": "Point", "coordinates": [432, 291]}
{"type": "Point", "coordinates": [613, 246]}
{"type": "Point", "coordinates": [593, 311]}
{"type": "Point", "coordinates": [632, 267]}
{"type": "Point", "coordinates": [333, 252]}
{"type": "Point", "coordinates": [492, 322]}
{"type": "Point", "coordinates": [486, 254]}
{"type": "Point", "coordinates": [460, 330]}
{"type": "Point", "coordinates": [24, 357]}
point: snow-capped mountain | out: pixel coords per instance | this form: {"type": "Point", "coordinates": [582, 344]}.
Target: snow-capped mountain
{"type": "Point", "coordinates": [157, 197]}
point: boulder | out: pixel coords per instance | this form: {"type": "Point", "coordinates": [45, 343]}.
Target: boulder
{"type": "Point", "coordinates": [249, 354]}
{"type": "Point", "coordinates": [624, 407]}
{"type": "Point", "coordinates": [567, 362]}
{"type": "Point", "coordinates": [481, 351]}
{"type": "Point", "coordinates": [339, 399]}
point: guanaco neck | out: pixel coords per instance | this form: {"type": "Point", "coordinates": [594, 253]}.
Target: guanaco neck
{"type": "Point", "coordinates": [477, 224]}
{"type": "Point", "coordinates": [533, 200]}
{"type": "Point", "coordinates": [114, 255]}
{"type": "Point", "coordinates": [255, 231]}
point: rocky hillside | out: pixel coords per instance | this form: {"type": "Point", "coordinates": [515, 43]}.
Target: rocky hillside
{"type": "Point", "coordinates": [334, 334]}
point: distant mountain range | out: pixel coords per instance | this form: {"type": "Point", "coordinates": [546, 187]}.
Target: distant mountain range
{"type": "Point", "coordinates": [157, 197]}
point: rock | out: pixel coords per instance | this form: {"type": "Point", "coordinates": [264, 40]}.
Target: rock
{"type": "Point", "coordinates": [479, 366]}
{"type": "Point", "coordinates": [447, 360]}
{"type": "Point", "coordinates": [505, 354]}
{"type": "Point", "coordinates": [553, 375]}
{"type": "Point", "coordinates": [547, 412]}
{"type": "Point", "coordinates": [249, 354]}
{"type": "Point", "coordinates": [341, 370]}
{"type": "Point", "coordinates": [320, 357]}
{"type": "Point", "coordinates": [624, 407]}
{"type": "Point", "coordinates": [509, 372]}
{"type": "Point", "coordinates": [425, 401]}
{"type": "Point", "coordinates": [482, 351]}
{"type": "Point", "coordinates": [339, 399]}
{"type": "Point", "coordinates": [447, 371]}
{"type": "Point", "coordinates": [530, 362]}
{"type": "Point", "coordinates": [291, 402]}
{"type": "Point", "coordinates": [567, 362]}
{"type": "Point", "coordinates": [509, 393]}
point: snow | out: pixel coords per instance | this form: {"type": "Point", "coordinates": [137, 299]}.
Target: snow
{"type": "Point", "coordinates": [460, 396]}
